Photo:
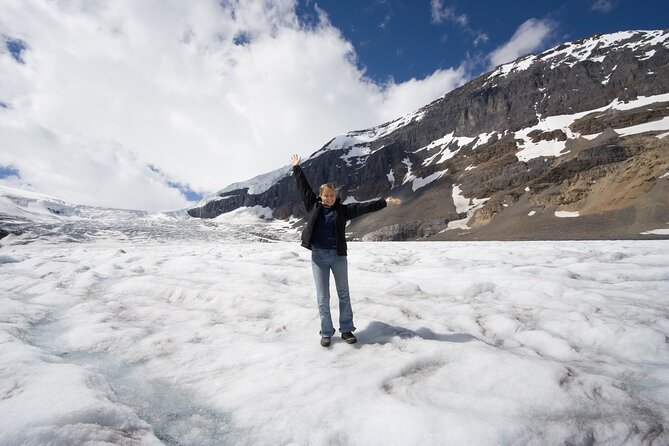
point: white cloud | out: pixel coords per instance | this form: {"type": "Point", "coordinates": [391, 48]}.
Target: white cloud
{"type": "Point", "coordinates": [404, 96]}
{"type": "Point", "coordinates": [110, 88]}
{"type": "Point", "coordinates": [440, 13]}
{"type": "Point", "coordinates": [530, 36]}
{"type": "Point", "coordinates": [480, 38]}
{"type": "Point", "coordinates": [603, 6]}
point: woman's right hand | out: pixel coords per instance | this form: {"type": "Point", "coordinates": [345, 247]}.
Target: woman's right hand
{"type": "Point", "coordinates": [295, 160]}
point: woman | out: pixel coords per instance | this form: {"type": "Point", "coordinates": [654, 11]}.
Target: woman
{"type": "Point", "coordinates": [324, 235]}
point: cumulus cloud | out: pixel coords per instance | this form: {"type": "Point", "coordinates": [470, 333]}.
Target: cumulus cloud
{"type": "Point", "coordinates": [404, 96]}
{"type": "Point", "coordinates": [530, 36]}
{"type": "Point", "coordinates": [114, 103]}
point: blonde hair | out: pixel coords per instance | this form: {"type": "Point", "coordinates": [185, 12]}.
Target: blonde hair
{"type": "Point", "coordinates": [327, 186]}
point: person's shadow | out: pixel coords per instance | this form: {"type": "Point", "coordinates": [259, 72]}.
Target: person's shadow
{"type": "Point", "coordinates": [378, 332]}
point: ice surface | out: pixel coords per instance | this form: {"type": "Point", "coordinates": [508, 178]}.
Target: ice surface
{"type": "Point", "coordinates": [207, 334]}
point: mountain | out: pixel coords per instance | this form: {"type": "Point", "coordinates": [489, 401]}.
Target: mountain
{"type": "Point", "coordinates": [568, 144]}
{"type": "Point", "coordinates": [30, 216]}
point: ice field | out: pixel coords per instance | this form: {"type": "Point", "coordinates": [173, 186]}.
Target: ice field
{"type": "Point", "coordinates": [178, 340]}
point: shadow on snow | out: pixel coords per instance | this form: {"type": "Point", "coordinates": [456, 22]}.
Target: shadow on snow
{"type": "Point", "coordinates": [378, 332]}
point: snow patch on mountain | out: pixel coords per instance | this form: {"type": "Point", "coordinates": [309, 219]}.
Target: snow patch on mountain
{"type": "Point", "coordinates": [409, 176]}
{"type": "Point", "coordinates": [660, 125]}
{"type": "Point", "coordinates": [358, 141]}
{"type": "Point", "coordinates": [450, 144]}
{"type": "Point", "coordinates": [391, 177]}
{"type": "Point", "coordinates": [386, 129]}
{"type": "Point", "coordinates": [521, 64]}
{"type": "Point", "coordinates": [657, 232]}
{"type": "Point", "coordinates": [245, 215]}
{"type": "Point", "coordinates": [422, 182]}
{"type": "Point", "coordinates": [573, 52]}
{"type": "Point", "coordinates": [352, 200]}
{"type": "Point", "coordinates": [464, 205]}
{"type": "Point", "coordinates": [256, 185]}
{"type": "Point", "coordinates": [567, 214]}
{"type": "Point", "coordinates": [530, 150]}
{"type": "Point", "coordinates": [357, 152]}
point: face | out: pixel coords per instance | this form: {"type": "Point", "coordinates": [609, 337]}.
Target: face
{"type": "Point", "coordinates": [328, 196]}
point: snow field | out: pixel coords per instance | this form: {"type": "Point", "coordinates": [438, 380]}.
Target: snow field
{"type": "Point", "coordinates": [202, 343]}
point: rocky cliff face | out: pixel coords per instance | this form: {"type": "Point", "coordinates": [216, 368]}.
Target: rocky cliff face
{"type": "Point", "coordinates": [571, 143]}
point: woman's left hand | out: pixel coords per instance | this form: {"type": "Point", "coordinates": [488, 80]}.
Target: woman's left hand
{"type": "Point", "coordinates": [391, 200]}
{"type": "Point", "coordinates": [295, 160]}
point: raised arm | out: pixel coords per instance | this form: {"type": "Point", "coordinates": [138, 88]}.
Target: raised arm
{"type": "Point", "coordinates": [309, 198]}
{"type": "Point", "coordinates": [357, 209]}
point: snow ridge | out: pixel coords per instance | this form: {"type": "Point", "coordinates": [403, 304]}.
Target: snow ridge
{"type": "Point", "coordinates": [573, 52]}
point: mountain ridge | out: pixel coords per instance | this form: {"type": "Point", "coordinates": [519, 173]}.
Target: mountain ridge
{"type": "Point", "coordinates": [536, 135]}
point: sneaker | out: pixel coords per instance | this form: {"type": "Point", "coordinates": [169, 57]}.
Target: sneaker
{"type": "Point", "coordinates": [325, 341]}
{"type": "Point", "coordinates": [349, 337]}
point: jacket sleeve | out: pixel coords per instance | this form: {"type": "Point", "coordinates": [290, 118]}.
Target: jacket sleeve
{"type": "Point", "coordinates": [354, 210]}
{"type": "Point", "coordinates": [309, 198]}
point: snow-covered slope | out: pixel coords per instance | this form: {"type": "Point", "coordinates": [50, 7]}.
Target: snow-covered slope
{"type": "Point", "coordinates": [188, 342]}
{"type": "Point", "coordinates": [33, 216]}
{"type": "Point", "coordinates": [590, 49]}
{"type": "Point", "coordinates": [29, 206]}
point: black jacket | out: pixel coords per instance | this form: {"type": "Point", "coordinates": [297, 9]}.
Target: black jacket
{"type": "Point", "coordinates": [342, 212]}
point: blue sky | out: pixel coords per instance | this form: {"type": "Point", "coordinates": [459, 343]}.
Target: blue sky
{"type": "Point", "coordinates": [154, 104]}
{"type": "Point", "coordinates": [404, 39]}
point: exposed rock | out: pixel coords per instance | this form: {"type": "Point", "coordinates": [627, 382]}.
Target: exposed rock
{"type": "Point", "coordinates": [407, 231]}
{"type": "Point", "coordinates": [538, 135]}
{"type": "Point", "coordinates": [608, 136]}
{"type": "Point", "coordinates": [601, 121]}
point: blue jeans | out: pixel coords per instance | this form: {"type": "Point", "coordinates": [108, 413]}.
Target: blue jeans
{"type": "Point", "coordinates": [322, 262]}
